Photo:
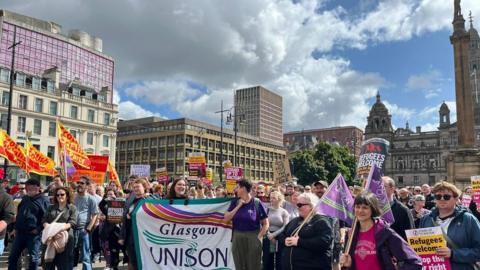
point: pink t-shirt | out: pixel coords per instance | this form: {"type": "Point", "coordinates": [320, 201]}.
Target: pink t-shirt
{"type": "Point", "coordinates": [365, 251]}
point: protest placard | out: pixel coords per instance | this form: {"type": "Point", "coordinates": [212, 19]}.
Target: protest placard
{"type": "Point", "coordinates": [140, 170]}
{"type": "Point", "coordinates": [115, 211]}
{"type": "Point", "coordinates": [475, 179]}
{"type": "Point", "coordinates": [373, 151]}
{"type": "Point", "coordinates": [425, 243]}
{"type": "Point", "coordinates": [281, 171]}
{"type": "Point", "coordinates": [161, 175]}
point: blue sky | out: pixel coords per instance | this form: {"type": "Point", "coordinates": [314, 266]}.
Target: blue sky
{"type": "Point", "coordinates": [327, 58]}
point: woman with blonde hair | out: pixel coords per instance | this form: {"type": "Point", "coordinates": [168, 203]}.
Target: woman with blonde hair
{"type": "Point", "coordinates": [278, 218]}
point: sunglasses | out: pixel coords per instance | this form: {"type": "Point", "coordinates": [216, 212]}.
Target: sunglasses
{"type": "Point", "coordinates": [299, 205]}
{"type": "Point", "coordinates": [418, 190]}
{"type": "Point", "coordinates": [61, 194]}
{"type": "Point", "coordinates": [446, 197]}
{"type": "Point", "coordinates": [22, 188]}
{"type": "Point", "coordinates": [81, 183]}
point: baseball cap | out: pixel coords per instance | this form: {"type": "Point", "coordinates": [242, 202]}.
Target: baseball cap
{"type": "Point", "coordinates": [33, 182]}
{"type": "Point", "coordinates": [321, 183]}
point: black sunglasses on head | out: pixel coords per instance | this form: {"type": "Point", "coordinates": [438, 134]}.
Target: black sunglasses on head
{"type": "Point", "coordinates": [299, 205]}
{"type": "Point", "coordinates": [61, 194]}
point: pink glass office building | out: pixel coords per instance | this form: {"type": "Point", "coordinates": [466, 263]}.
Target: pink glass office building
{"type": "Point", "coordinates": [43, 48]}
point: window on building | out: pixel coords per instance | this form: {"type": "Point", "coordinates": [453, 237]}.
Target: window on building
{"type": "Point", "coordinates": [91, 116]}
{"type": "Point", "coordinates": [4, 75]}
{"type": "Point", "coordinates": [20, 79]}
{"type": "Point", "coordinates": [50, 86]}
{"type": "Point", "coordinates": [415, 180]}
{"type": "Point", "coordinates": [5, 98]}
{"type": "Point", "coordinates": [400, 180]}
{"type": "Point", "coordinates": [4, 121]}
{"type": "Point", "coordinates": [37, 127]}
{"type": "Point", "coordinates": [38, 105]}
{"type": "Point", "coordinates": [51, 152]}
{"type": "Point", "coordinates": [106, 119]}
{"type": "Point", "coordinates": [23, 102]}
{"type": "Point", "coordinates": [22, 122]}
{"type": "Point", "coordinates": [74, 112]}
{"type": "Point", "coordinates": [105, 141]}
{"type": "Point", "coordinates": [53, 107]}
{"type": "Point", "coordinates": [52, 129]}
{"type": "Point", "coordinates": [76, 91]}
{"type": "Point", "coordinates": [36, 83]}
{"type": "Point", "coordinates": [90, 138]}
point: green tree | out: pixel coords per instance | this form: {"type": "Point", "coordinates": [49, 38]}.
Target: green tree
{"type": "Point", "coordinates": [323, 163]}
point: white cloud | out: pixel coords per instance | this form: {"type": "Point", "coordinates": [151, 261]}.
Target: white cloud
{"type": "Point", "coordinates": [429, 83]}
{"type": "Point", "coordinates": [228, 44]}
{"type": "Point", "coordinates": [401, 113]}
{"type": "Point", "coordinates": [129, 110]}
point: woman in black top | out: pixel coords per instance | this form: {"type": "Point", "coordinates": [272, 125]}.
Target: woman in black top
{"type": "Point", "coordinates": [126, 235]}
{"type": "Point", "coordinates": [63, 206]}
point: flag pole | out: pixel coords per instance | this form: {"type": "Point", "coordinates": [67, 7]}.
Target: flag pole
{"type": "Point", "coordinates": [355, 221]}
{"type": "Point", "coordinates": [65, 164]}
{"type": "Point", "coordinates": [28, 135]}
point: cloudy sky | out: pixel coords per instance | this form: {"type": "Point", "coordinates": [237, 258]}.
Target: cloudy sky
{"type": "Point", "coordinates": [327, 58]}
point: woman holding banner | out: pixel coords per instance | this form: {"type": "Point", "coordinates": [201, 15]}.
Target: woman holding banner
{"type": "Point", "coordinates": [461, 229]}
{"type": "Point", "coordinates": [374, 245]}
{"type": "Point", "coordinates": [126, 236]}
{"type": "Point", "coordinates": [307, 246]}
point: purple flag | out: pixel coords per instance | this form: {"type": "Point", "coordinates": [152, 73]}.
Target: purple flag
{"type": "Point", "coordinates": [375, 185]}
{"type": "Point", "coordinates": [337, 201]}
{"type": "Point", "coordinates": [68, 163]}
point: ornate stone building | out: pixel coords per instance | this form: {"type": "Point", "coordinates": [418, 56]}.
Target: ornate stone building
{"type": "Point", "coordinates": [451, 152]}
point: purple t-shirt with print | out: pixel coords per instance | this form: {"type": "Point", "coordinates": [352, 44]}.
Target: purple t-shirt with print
{"type": "Point", "coordinates": [245, 219]}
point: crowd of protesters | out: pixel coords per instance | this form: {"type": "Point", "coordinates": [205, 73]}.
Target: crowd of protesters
{"type": "Point", "coordinates": [65, 225]}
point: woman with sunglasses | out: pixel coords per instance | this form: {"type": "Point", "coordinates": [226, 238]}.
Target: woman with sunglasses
{"type": "Point", "coordinates": [66, 212]}
{"type": "Point", "coordinates": [375, 246]}
{"type": "Point", "coordinates": [461, 229]}
{"type": "Point", "coordinates": [311, 248]}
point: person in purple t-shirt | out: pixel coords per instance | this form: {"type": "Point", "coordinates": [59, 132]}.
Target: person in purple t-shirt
{"type": "Point", "coordinates": [250, 224]}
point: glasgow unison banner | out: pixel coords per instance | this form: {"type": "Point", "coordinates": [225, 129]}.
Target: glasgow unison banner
{"type": "Point", "coordinates": [178, 236]}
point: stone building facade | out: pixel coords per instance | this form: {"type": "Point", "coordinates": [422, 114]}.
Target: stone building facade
{"type": "Point", "coordinates": [451, 152]}
{"type": "Point", "coordinates": [57, 76]}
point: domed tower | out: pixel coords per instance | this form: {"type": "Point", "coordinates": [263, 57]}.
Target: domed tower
{"type": "Point", "coordinates": [379, 121]}
{"type": "Point", "coordinates": [444, 114]}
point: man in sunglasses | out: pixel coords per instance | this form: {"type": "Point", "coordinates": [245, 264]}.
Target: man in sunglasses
{"type": "Point", "coordinates": [87, 215]}
{"type": "Point", "coordinates": [28, 226]}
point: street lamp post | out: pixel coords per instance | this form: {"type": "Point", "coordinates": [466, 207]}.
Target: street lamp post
{"type": "Point", "coordinates": [10, 95]}
{"type": "Point", "coordinates": [221, 139]}
{"type": "Point", "coordinates": [235, 129]}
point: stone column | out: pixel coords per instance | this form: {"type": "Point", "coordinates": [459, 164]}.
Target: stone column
{"type": "Point", "coordinates": [460, 40]}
